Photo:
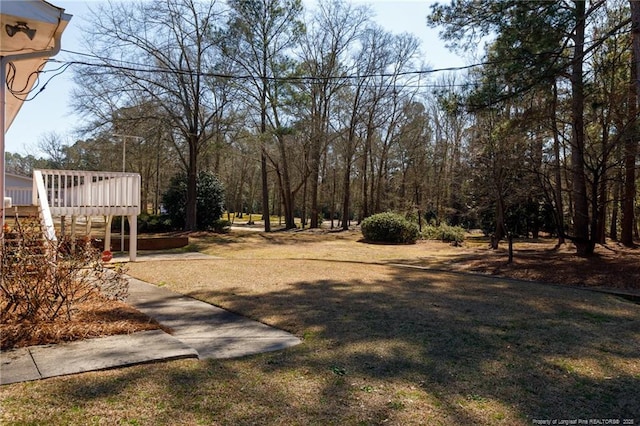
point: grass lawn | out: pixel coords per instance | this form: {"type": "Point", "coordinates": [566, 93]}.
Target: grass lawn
{"type": "Point", "coordinates": [383, 344]}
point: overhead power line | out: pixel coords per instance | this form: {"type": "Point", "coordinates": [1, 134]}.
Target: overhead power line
{"type": "Point", "coordinates": [137, 67]}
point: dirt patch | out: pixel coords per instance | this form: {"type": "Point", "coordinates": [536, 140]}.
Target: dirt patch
{"type": "Point", "coordinates": [612, 266]}
{"type": "Point", "coordinates": [151, 243]}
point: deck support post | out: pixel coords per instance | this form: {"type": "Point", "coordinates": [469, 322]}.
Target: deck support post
{"type": "Point", "coordinates": [89, 224]}
{"type": "Point", "coordinates": [133, 237]}
{"type": "Point", "coordinates": [107, 233]}
{"type": "Point", "coordinates": [73, 233]}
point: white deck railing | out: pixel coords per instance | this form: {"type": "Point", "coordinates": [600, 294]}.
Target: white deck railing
{"type": "Point", "coordinates": [83, 193]}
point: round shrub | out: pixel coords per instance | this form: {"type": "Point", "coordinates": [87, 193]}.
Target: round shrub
{"type": "Point", "coordinates": [389, 228]}
{"type": "Point", "coordinates": [445, 233]}
{"type": "Point", "coordinates": [209, 204]}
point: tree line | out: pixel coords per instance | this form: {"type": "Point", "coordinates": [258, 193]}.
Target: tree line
{"type": "Point", "coordinates": [317, 112]}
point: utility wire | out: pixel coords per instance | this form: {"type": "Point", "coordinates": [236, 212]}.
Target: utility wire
{"type": "Point", "coordinates": [24, 93]}
{"type": "Point", "coordinates": [134, 67]}
{"type": "Point", "coordinates": [137, 67]}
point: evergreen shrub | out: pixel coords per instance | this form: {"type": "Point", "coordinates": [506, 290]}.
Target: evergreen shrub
{"type": "Point", "coordinates": [389, 228]}
{"type": "Point", "coordinates": [209, 205]}
{"type": "Point", "coordinates": [444, 232]}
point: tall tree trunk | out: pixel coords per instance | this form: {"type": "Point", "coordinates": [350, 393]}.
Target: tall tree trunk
{"type": "Point", "coordinates": [631, 142]}
{"type": "Point", "coordinates": [582, 238]}
{"type": "Point", "coordinates": [501, 229]}
{"type": "Point", "coordinates": [285, 184]}
{"type": "Point", "coordinates": [265, 192]}
{"type": "Point", "coordinates": [346, 183]}
{"type": "Point", "coordinates": [192, 179]}
{"type": "Point", "coordinates": [263, 156]}
{"type": "Point", "coordinates": [453, 189]}
{"type": "Point", "coordinates": [559, 213]}
{"type": "Point", "coordinates": [617, 195]}
{"type": "Point", "coordinates": [366, 153]}
{"type": "Point", "coordinates": [599, 209]}
{"type": "Point", "coordinates": [303, 216]}
{"type": "Point", "coordinates": [348, 155]}
{"type": "Point", "coordinates": [600, 179]}
{"type": "Point", "coordinates": [314, 175]}
{"type": "Point", "coordinates": [333, 211]}
{"type": "Point", "coordinates": [346, 201]}
{"type": "Point", "coordinates": [315, 151]}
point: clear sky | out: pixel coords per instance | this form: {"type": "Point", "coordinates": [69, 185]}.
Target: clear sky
{"type": "Point", "coordinates": [50, 111]}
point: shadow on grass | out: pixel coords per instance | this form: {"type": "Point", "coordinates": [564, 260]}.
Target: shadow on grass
{"type": "Point", "coordinates": [532, 351]}
{"type": "Point", "coordinates": [412, 347]}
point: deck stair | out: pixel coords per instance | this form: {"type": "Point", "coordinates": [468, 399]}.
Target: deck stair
{"type": "Point", "coordinates": [25, 245]}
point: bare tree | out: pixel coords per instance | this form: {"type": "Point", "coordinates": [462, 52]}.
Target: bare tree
{"type": "Point", "coordinates": [157, 52]}
{"type": "Point", "coordinates": [260, 35]}
{"type": "Point", "coordinates": [414, 137]}
{"type": "Point", "coordinates": [333, 30]}
{"type": "Point", "coordinates": [53, 146]}
{"type": "Point", "coordinates": [387, 96]}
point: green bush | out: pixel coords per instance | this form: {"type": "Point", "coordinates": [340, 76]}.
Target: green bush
{"type": "Point", "coordinates": [149, 223]}
{"type": "Point", "coordinates": [389, 228]}
{"type": "Point", "coordinates": [444, 232]}
{"type": "Point", "coordinates": [210, 200]}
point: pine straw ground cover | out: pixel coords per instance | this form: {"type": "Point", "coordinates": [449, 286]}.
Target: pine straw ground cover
{"type": "Point", "coordinates": [383, 343]}
{"type": "Point", "coordinates": [78, 299]}
{"type": "Point", "coordinates": [95, 317]}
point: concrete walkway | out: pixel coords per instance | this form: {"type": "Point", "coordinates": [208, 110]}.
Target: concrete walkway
{"type": "Point", "coordinates": [212, 331]}
{"type": "Point", "coordinates": [200, 330]}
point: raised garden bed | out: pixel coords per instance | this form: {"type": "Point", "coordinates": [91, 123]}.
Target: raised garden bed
{"type": "Point", "coordinates": [149, 243]}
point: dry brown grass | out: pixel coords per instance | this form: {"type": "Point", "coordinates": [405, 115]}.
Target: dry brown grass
{"type": "Point", "coordinates": [383, 344]}
{"type": "Point", "coordinates": [612, 266]}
